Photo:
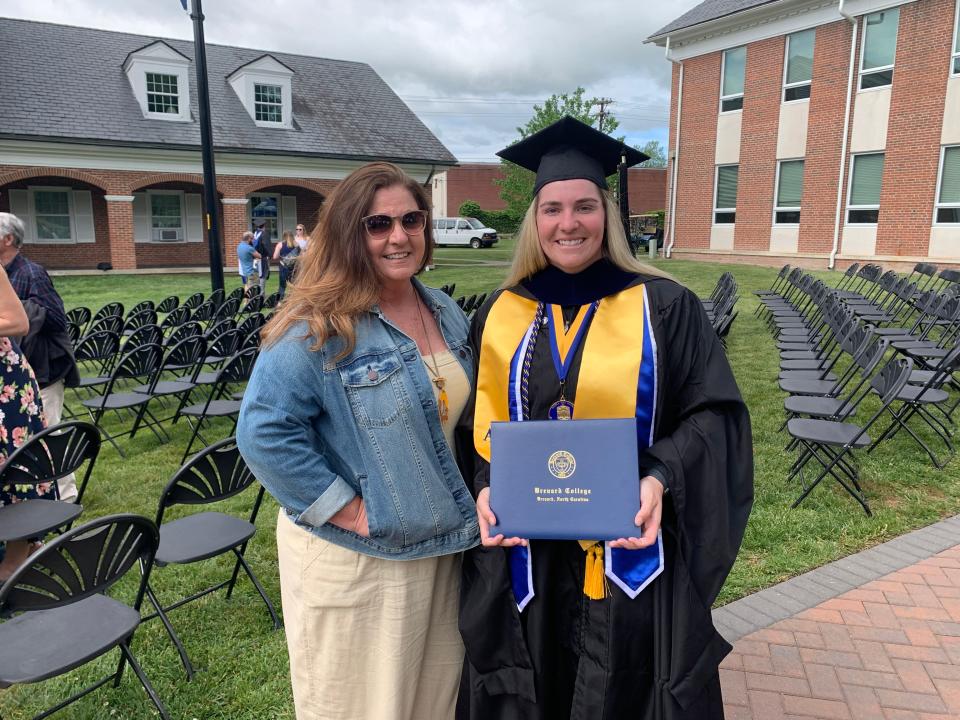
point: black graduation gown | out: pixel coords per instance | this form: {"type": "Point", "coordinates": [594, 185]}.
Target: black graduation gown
{"type": "Point", "coordinates": [656, 656]}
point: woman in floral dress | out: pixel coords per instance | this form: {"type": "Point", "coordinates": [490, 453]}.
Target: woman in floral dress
{"type": "Point", "coordinates": [21, 414]}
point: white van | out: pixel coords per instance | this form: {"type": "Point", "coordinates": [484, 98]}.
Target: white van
{"type": "Point", "coordinates": [463, 231]}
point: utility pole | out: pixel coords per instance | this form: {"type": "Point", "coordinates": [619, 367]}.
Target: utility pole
{"type": "Point", "coordinates": [602, 114]}
{"type": "Point", "coordinates": [206, 148]}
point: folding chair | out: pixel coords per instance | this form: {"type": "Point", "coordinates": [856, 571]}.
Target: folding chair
{"type": "Point", "coordinates": [188, 329]}
{"type": "Point", "coordinates": [216, 473]}
{"type": "Point", "coordinates": [204, 312]}
{"type": "Point", "coordinates": [921, 401]}
{"type": "Point", "coordinates": [175, 318]}
{"type": "Point", "coordinates": [144, 335]}
{"type": "Point", "coordinates": [194, 301]}
{"type": "Point", "coordinates": [183, 362]}
{"type": "Point", "coordinates": [112, 323]}
{"type": "Point", "coordinates": [141, 363]}
{"type": "Point", "coordinates": [271, 300]}
{"type": "Point", "coordinates": [95, 352]}
{"type": "Point", "coordinates": [251, 323]}
{"type": "Point", "coordinates": [831, 443]}
{"type": "Point", "coordinates": [253, 305]}
{"type": "Point", "coordinates": [47, 456]}
{"type": "Point", "coordinates": [219, 402]}
{"type": "Point", "coordinates": [216, 297]}
{"type": "Point", "coordinates": [80, 315]}
{"type": "Point", "coordinates": [169, 304]}
{"type": "Point", "coordinates": [111, 309]}
{"type": "Point", "coordinates": [64, 619]}
{"type": "Point", "coordinates": [227, 310]}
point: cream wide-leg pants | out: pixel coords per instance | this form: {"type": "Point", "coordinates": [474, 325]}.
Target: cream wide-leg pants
{"type": "Point", "coordinates": [369, 639]}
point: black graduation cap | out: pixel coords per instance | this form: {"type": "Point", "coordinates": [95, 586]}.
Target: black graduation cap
{"type": "Point", "coordinates": [570, 150]}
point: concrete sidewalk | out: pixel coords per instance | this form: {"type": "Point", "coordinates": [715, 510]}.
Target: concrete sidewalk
{"type": "Point", "coordinates": [884, 645]}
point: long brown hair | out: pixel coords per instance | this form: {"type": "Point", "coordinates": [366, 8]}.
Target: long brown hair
{"type": "Point", "coordinates": [336, 280]}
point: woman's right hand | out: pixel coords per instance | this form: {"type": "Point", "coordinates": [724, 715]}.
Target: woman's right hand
{"type": "Point", "coordinates": [486, 518]}
{"type": "Point", "coordinates": [352, 517]}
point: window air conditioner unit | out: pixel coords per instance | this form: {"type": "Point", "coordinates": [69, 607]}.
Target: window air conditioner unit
{"type": "Point", "coordinates": [167, 235]}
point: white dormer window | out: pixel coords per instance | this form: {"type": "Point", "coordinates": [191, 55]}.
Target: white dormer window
{"type": "Point", "coordinates": [265, 87]}
{"type": "Point", "coordinates": [159, 77]}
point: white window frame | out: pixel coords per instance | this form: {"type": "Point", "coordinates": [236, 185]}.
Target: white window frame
{"type": "Point", "coordinates": [183, 217]}
{"type": "Point", "coordinates": [146, 82]}
{"type": "Point", "coordinates": [716, 189]}
{"type": "Point", "coordinates": [786, 68]}
{"type": "Point", "coordinates": [955, 48]}
{"type": "Point", "coordinates": [723, 72]}
{"type": "Point", "coordinates": [278, 105]}
{"type": "Point", "coordinates": [279, 202]}
{"type": "Point", "coordinates": [776, 194]}
{"type": "Point", "coordinates": [850, 207]}
{"type": "Point", "coordinates": [937, 205]}
{"type": "Point", "coordinates": [863, 55]}
{"type": "Point", "coordinates": [35, 236]}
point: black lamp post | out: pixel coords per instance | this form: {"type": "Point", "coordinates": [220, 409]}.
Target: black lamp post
{"type": "Point", "coordinates": [206, 147]}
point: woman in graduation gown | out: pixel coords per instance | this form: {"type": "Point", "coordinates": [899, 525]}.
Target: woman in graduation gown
{"type": "Point", "coordinates": [580, 630]}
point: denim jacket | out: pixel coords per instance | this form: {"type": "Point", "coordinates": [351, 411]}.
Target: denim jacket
{"type": "Point", "coordinates": [317, 431]}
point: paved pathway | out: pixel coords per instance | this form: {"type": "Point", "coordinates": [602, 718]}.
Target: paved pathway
{"type": "Point", "coordinates": [884, 644]}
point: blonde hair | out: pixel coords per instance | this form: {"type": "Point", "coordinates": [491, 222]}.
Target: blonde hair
{"type": "Point", "coordinates": [528, 258]}
{"type": "Point", "coordinates": [288, 239]}
{"type": "Point", "coordinates": [336, 280]}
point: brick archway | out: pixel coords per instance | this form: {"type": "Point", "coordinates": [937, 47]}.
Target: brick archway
{"type": "Point", "coordinates": [157, 178]}
{"type": "Point", "coordinates": [321, 188]}
{"type": "Point", "coordinates": [32, 172]}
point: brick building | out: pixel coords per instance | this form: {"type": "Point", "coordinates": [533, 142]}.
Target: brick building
{"type": "Point", "coordinates": [647, 188]}
{"type": "Point", "coordinates": [99, 142]}
{"type": "Point", "coordinates": [826, 132]}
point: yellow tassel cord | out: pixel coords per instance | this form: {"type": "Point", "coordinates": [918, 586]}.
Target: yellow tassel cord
{"type": "Point", "coordinates": [594, 577]}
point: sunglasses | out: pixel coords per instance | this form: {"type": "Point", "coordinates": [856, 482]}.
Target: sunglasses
{"type": "Point", "coordinates": [379, 225]}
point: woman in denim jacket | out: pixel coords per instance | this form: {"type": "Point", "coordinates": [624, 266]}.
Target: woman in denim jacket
{"type": "Point", "coordinates": [348, 422]}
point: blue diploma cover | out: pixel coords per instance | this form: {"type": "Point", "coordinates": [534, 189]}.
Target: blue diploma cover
{"type": "Point", "coordinates": [565, 480]}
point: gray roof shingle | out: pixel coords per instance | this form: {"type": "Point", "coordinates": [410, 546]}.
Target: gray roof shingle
{"type": "Point", "coordinates": [67, 83]}
{"type": "Point", "coordinates": [708, 10]}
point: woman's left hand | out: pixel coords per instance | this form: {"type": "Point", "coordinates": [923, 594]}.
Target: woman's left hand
{"type": "Point", "coordinates": [651, 510]}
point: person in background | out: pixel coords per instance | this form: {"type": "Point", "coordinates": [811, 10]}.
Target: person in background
{"type": "Point", "coordinates": [580, 629]}
{"type": "Point", "coordinates": [47, 345]}
{"type": "Point", "coordinates": [21, 410]}
{"type": "Point", "coordinates": [286, 253]}
{"type": "Point", "coordinates": [245, 257]}
{"type": "Point", "coordinates": [303, 240]}
{"type": "Point", "coordinates": [348, 421]}
{"type": "Point", "coordinates": [264, 247]}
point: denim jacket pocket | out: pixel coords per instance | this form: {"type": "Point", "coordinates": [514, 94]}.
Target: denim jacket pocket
{"type": "Point", "coordinates": [374, 386]}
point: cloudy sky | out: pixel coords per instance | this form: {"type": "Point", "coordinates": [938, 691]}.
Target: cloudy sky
{"type": "Point", "coordinates": [471, 69]}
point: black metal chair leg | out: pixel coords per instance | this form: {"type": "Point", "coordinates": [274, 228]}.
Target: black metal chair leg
{"type": "Point", "coordinates": [135, 666]}
{"type": "Point", "coordinates": [184, 658]}
{"type": "Point", "coordinates": [263, 594]}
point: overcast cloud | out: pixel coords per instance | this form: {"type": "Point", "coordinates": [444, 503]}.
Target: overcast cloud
{"type": "Point", "coordinates": [471, 69]}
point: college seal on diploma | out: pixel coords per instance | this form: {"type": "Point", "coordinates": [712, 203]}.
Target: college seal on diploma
{"type": "Point", "coordinates": [561, 464]}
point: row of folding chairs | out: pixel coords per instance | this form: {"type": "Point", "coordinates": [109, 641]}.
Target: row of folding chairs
{"type": "Point", "coordinates": [127, 379]}
{"type": "Point", "coordinates": [833, 357]}
{"type": "Point", "coordinates": [58, 613]}
{"type": "Point", "coordinates": [80, 323]}
{"type": "Point", "coordinates": [719, 306]}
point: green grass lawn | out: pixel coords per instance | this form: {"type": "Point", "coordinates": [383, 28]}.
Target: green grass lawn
{"type": "Point", "coordinates": [244, 663]}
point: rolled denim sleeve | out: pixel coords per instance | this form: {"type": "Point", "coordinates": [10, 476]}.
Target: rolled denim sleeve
{"type": "Point", "coordinates": [277, 437]}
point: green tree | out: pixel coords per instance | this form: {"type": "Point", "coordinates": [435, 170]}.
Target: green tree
{"type": "Point", "coordinates": [516, 186]}
{"type": "Point", "coordinates": [657, 153]}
